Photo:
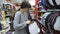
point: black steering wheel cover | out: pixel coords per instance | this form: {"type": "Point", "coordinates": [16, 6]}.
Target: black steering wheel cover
{"type": "Point", "coordinates": [58, 6]}
{"type": "Point", "coordinates": [55, 4]}
{"type": "Point", "coordinates": [51, 6]}
{"type": "Point", "coordinates": [46, 23]}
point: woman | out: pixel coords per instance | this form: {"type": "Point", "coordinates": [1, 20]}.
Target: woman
{"type": "Point", "coordinates": [21, 19]}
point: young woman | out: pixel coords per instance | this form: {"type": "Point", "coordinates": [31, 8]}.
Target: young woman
{"type": "Point", "coordinates": [21, 19]}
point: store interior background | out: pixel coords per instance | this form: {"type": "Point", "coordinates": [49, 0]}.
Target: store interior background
{"type": "Point", "coordinates": [7, 16]}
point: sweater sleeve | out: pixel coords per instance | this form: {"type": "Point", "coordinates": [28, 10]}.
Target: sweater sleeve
{"type": "Point", "coordinates": [17, 25]}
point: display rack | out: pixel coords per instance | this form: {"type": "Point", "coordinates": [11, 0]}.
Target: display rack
{"type": "Point", "coordinates": [5, 24]}
{"type": "Point", "coordinates": [53, 10]}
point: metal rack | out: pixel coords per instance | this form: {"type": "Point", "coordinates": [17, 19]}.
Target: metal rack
{"type": "Point", "coordinates": [5, 24]}
{"type": "Point", "coordinates": [53, 10]}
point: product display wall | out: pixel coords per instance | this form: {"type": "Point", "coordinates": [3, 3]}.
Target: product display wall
{"type": "Point", "coordinates": [4, 23]}
{"type": "Point", "coordinates": [51, 4]}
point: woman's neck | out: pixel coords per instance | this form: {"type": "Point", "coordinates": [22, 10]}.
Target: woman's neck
{"type": "Point", "coordinates": [22, 11]}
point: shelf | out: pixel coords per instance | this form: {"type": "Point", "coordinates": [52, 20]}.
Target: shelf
{"type": "Point", "coordinates": [6, 27]}
{"type": "Point", "coordinates": [8, 15]}
{"type": "Point", "coordinates": [5, 30]}
{"type": "Point", "coordinates": [2, 32]}
{"type": "Point", "coordinates": [42, 10]}
{"type": "Point", "coordinates": [40, 6]}
{"type": "Point", "coordinates": [53, 10]}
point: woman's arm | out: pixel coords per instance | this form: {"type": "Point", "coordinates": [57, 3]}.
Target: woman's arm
{"type": "Point", "coordinates": [16, 21]}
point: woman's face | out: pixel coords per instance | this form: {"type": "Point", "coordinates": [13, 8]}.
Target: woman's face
{"type": "Point", "coordinates": [26, 9]}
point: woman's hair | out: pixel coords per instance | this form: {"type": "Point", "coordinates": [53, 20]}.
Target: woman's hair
{"type": "Point", "coordinates": [25, 4]}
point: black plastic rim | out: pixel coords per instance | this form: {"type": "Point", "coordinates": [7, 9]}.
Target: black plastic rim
{"type": "Point", "coordinates": [51, 6]}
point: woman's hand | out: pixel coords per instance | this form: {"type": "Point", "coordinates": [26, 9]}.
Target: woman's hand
{"type": "Point", "coordinates": [28, 22]}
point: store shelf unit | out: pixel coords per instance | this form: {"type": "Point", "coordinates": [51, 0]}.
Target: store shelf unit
{"type": "Point", "coordinates": [5, 24]}
{"type": "Point", "coordinates": [53, 10]}
{"type": "Point", "coordinates": [5, 28]}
